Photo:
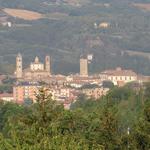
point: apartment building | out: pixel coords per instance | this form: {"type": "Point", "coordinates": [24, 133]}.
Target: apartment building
{"type": "Point", "coordinates": [25, 90]}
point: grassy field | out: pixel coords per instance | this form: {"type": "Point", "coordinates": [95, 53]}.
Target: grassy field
{"type": "Point", "coordinates": [23, 14]}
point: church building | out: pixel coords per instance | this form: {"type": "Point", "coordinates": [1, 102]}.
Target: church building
{"type": "Point", "coordinates": [36, 70]}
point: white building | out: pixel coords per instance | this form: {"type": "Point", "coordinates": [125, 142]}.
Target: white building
{"type": "Point", "coordinates": [36, 70]}
{"type": "Point", "coordinates": [37, 65]}
{"type": "Point", "coordinates": [60, 94]}
{"type": "Point", "coordinates": [6, 97]}
{"type": "Point", "coordinates": [119, 76]}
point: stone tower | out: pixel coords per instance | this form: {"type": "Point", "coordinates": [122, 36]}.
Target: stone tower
{"type": "Point", "coordinates": [47, 64]}
{"type": "Point", "coordinates": [19, 72]}
{"type": "Point", "coordinates": [83, 67]}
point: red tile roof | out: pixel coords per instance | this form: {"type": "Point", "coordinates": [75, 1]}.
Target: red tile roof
{"type": "Point", "coordinates": [120, 72]}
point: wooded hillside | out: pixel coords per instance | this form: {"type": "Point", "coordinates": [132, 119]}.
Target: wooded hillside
{"type": "Point", "coordinates": [70, 30]}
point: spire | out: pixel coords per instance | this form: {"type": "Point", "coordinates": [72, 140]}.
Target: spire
{"type": "Point", "coordinates": [19, 55]}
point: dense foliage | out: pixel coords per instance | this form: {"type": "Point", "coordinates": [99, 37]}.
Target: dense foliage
{"type": "Point", "coordinates": [114, 122]}
{"type": "Point", "coordinates": [6, 85]}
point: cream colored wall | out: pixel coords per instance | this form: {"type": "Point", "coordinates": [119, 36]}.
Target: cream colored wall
{"type": "Point", "coordinates": [125, 79]}
{"type": "Point", "coordinates": [38, 66]}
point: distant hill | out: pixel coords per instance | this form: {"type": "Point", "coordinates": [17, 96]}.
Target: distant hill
{"type": "Point", "coordinates": [69, 29]}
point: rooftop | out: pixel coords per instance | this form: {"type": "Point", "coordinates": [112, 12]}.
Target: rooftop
{"type": "Point", "coordinates": [28, 84]}
{"type": "Point", "coordinates": [120, 72]}
{"type": "Point", "coordinates": [6, 95]}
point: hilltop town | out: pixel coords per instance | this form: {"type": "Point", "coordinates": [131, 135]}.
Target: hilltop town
{"type": "Point", "coordinates": [66, 29]}
{"type": "Point", "coordinates": [74, 75]}
{"type": "Point", "coordinates": [65, 89]}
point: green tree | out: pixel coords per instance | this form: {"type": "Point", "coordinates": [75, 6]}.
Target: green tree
{"type": "Point", "coordinates": [105, 127]}
{"type": "Point", "coordinates": [108, 84]}
{"type": "Point", "coordinates": [142, 130]}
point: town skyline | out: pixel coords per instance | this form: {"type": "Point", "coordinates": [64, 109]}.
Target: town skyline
{"type": "Point", "coordinates": [66, 88]}
{"type": "Point", "coordinates": [81, 79]}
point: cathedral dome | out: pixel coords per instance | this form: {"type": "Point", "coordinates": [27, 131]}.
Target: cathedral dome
{"type": "Point", "coordinates": [36, 59]}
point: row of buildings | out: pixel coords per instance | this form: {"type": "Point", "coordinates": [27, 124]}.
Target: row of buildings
{"type": "Point", "coordinates": [38, 71]}
{"type": "Point", "coordinates": [42, 72]}
{"type": "Point", "coordinates": [62, 88]}
{"type": "Point", "coordinates": [60, 93]}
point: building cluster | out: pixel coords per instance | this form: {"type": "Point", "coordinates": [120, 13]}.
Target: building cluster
{"type": "Point", "coordinates": [119, 77]}
{"type": "Point", "coordinates": [36, 70]}
{"type": "Point", "coordinates": [95, 92]}
{"type": "Point", "coordinates": [64, 89]}
{"type": "Point", "coordinates": [29, 90]}
{"type": "Point", "coordinates": [40, 71]}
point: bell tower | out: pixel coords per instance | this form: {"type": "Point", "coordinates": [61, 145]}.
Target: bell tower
{"type": "Point", "coordinates": [83, 66]}
{"type": "Point", "coordinates": [47, 64]}
{"type": "Point", "coordinates": [19, 72]}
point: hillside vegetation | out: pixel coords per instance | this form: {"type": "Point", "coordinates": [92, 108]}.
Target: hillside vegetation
{"type": "Point", "coordinates": [69, 30]}
{"type": "Point", "coordinates": [118, 121]}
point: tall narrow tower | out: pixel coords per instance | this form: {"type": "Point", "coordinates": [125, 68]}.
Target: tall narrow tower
{"type": "Point", "coordinates": [47, 64]}
{"type": "Point", "coordinates": [19, 66]}
{"type": "Point", "coordinates": [83, 67]}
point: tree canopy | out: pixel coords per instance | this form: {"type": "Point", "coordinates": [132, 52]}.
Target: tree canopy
{"type": "Point", "coordinates": [102, 124]}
